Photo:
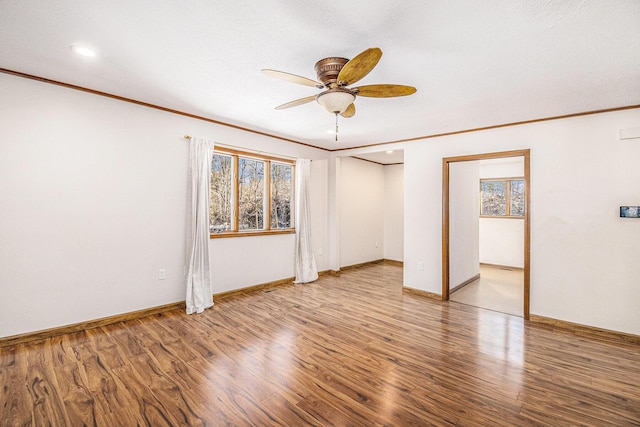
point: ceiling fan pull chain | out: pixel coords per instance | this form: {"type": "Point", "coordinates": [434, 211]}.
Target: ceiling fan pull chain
{"type": "Point", "coordinates": [336, 127]}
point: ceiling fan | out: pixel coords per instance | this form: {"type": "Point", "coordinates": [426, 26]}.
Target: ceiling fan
{"type": "Point", "coordinates": [334, 75]}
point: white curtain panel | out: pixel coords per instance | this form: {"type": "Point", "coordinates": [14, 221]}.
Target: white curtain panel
{"type": "Point", "coordinates": [306, 270]}
{"type": "Point", "coordinates": [199, 290]}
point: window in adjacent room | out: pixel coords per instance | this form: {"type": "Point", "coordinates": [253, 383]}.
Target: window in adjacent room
{"type": "Point", "coordinates": [250, 194]}
{"type": "Point", "coordinates": [502, 197]}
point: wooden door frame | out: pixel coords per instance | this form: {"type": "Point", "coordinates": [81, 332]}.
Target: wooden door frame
{"type": "Point", "coordinates": [527, 214]}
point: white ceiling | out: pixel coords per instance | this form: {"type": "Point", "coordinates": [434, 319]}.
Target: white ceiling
{"type": "Point", "coordinates": [474, 63]}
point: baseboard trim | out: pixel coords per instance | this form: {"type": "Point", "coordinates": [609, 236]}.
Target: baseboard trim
{"type": "Point", "coordinates": [421, 293]}
{"type": "Point", "coordinates": [506, 267]}
{"type": "Point", "coordinates": [90, 324]}
{"type": "Point", "coordinates": [576, 328]}
{"type": "Point", "coordinates": [592, 331]}
{"type": "Point", "coordinates": [362, 264]}
{"type": "Point", "coordinates": [138, 314]}
{"type": "Point", "coordinates": [254, 288]}
{"type": "Point", "coordinates": [329, 273]}
{"type": "Point", "coordinates": [465, 283]}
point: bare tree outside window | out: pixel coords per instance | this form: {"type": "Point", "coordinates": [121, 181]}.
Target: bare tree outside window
{"type": "Point", "coordinates": [517, 198]}
{"type": "Point", "coordinates": [250, 194]}
{"type": "Point", "coordinates": [502, 197]}
{"type": "Point", "coordinates": [494, 198]}
{"type": "Point", "coordinates": [281, 195]}
{"type": "Point", "coordinates": [221, 194]}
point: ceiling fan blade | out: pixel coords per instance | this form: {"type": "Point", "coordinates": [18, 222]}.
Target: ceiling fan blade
{"type": "Point", "coordinates": [349, 112]}
{"type": "Point", "coordinates": [359, 66]}
{"type": "Point", "coordinates": [297, 102]}
{"type": "Point", "coordinates": [384, 91]}
{"type": "Point", "coordinates": [293, 78]}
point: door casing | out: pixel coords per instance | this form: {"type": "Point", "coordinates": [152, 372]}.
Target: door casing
{"type": "Point", "coordinates": [446, 162]}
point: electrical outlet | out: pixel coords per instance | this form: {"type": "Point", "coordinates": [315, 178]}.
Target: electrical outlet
{"type": "Point", "coordinates": [162, 274]}
{"type": "Point", "coordinates": [320, 251]}
{"type": "Point", "coordinates": [421, 266]}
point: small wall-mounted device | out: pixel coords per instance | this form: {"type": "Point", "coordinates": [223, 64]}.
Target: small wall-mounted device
{"type": "Point", "coordinates": [629, 211]}
{"type": "Point", "coordinates": [632, 133]}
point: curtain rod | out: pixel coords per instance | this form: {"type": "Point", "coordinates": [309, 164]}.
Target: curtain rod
{"type": "Point", "coordinates": [248, 150]}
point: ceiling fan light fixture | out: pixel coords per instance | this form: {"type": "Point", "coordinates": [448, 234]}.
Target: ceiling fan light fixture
{"type": "Point", "coordinates": [335, 101]}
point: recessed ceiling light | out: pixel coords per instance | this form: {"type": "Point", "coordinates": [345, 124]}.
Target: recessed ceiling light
{"type": "Point", "coordinates": [83, 50]}
{"type": "Point", "coordinates": [389, 151]}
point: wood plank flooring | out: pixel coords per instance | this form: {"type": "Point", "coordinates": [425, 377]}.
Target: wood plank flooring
{"type": "Point", "coordinates": [348, 350]}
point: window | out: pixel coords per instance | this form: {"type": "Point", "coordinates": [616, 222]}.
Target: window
{"type": "Point", "coordinates": [221, 191]}
{"type": "Point", "coordinates": [502, 197]}
{"type": "Point", "coordinates": [250, 194]}
{"type": "Point", "coordinates": [281, 195]}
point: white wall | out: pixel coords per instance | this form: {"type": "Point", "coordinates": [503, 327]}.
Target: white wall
{"type": "Point", "coordinates": [394, 212]}
{"type": "Point", "coordinates": [502, 239]}
{"type": "Point", "coordinates": [93, 203]}
{"type": "Point", "coordinates": [502, 242]}
{"type": "Point", "coordinates": [505, 167]}
{"type": "Point", "coordinates": [319, 212]}
{"type": "Point", "coordinates": [361, 195]}
{"type": "Point", "coordinates": [584, 265]}
{"type": "Point", "coordinates": [464, 261]}
{"type": "Point", "coordinates": [93, 198]}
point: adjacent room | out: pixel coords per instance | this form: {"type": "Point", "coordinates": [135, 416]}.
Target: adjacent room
{"type": "Point", "coordinates": [319, 213]}
{"type": "Point", "coordinates": [487, 237]}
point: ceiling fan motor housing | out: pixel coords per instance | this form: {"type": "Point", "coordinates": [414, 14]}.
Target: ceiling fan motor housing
{"type": "Point", "coordinates": [327, 69]}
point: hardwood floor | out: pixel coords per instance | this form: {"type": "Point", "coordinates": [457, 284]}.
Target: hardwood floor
{"type": "Point", "coordinates": [347, 350]}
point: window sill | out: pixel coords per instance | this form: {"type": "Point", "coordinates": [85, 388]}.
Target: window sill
{"type": "Point", "coordinates": [502, 216]}
{"type": "Point", "coordinates": [251, 233]}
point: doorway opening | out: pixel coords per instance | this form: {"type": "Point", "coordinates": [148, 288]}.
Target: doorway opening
{"type": "Point", "coordinates": [446, 221]}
